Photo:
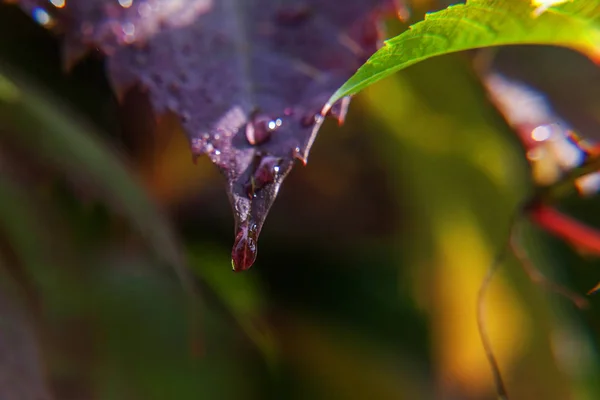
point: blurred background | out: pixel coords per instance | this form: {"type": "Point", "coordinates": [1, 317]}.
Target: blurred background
{"type": "Point", "coordinates": [115, 271]}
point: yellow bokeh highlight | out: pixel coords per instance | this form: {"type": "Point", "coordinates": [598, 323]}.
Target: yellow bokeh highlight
{"type": "Point", "coordinates": [462, 260]}
{"type": "Point", "coordinates": [167, 169]}
{"type": "Point", "coordinates": [445, 152]}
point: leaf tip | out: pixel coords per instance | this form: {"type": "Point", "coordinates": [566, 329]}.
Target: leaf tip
{"type": "Point", "coordinates": [299, 156]}
{"type": "Point", "coordinates": [340, 109]}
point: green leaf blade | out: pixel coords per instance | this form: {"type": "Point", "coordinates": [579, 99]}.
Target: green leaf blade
{"type": "Point", "coordinates": [482, 23]}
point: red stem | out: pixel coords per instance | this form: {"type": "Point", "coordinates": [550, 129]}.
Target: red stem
{"type": "Point", "coordinates": [567, 228]}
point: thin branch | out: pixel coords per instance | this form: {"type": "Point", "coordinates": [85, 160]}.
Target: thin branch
{"type": "Point", "coordinates": [485, 340]}
{"type": "Point", "coordinates": [536, 276]}
{"type": "Point", "coordinates": [487, 280]}
{"type": "Point", "coordinates": [512, 245]}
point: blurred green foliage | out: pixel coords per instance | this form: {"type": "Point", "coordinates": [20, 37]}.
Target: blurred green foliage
{"type": "Point", "coordinates": [369, 266]}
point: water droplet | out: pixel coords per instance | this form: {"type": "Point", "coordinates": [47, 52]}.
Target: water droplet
{"type": "Point", "coordinates": [542, 133]}
{"type": "Point", "coordinates": [259, 130]}
{"type": "Point", "coordinates": [308, 120]}
{"type": "Point", "coordinates": [128, 29]}
{"type": "Point", "coordinates": [217, 153]}
{"type": "Point", "coordinates": [41, 16]}
{"type": "Point", "coordinates": [196, 146]}
{"type": "Point", "coordinates": [58, 3]}
{"type": "Point", "coordinates": [125, 3]}
{"type": "Point", "coordinates": [266, 172]}
{"type": "Point", "coordinates": [244, 249]}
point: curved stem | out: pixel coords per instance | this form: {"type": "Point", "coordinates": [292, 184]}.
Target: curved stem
{"type": "Point", "coordinates": [485, 340]}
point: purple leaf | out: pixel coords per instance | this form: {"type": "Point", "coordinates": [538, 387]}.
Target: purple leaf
{"type": "Point", "coordinates": [248, 78]}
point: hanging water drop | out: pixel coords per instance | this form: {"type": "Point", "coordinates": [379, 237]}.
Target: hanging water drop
{"type": "Point", "coordinates": [244, 250]}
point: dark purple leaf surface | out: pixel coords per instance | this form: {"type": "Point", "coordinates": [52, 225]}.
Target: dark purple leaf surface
{"type": "Point", "coordinates": [248, 78]}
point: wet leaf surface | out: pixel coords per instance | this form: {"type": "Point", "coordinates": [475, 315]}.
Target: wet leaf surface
{"type": "Point", "coordinates": [248, 79]}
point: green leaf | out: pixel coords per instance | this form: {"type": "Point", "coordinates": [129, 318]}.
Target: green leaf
{"type": "Point", "coordinates": [483, 23]}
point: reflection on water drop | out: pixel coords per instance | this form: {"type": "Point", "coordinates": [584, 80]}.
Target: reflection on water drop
{"type": "Point", "coordinates": [58, 3]}
{"type": "Point", "coordinates": [244, 249]}
{"type": "Point", "coordinates": [125, 3]}
{"type": "Point", "coordinates": [41, 16]}
{"type": "Point", "coordinates": [542, 133]}
{"type": "Point", "coordinates": [275, 124]}
{"type": "Point", "coordinates": [128, 29]}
